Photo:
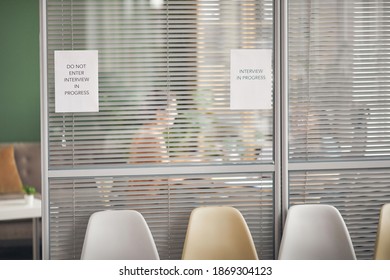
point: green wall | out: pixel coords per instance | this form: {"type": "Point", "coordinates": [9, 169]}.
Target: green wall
{"type": "Point", "coordinates": [19, 71]}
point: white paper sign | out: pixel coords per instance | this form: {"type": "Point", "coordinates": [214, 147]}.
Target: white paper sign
{"type": "Point", "coordinates": [251, 79]}
{"type": "Point", "coordinates": [76, 81]}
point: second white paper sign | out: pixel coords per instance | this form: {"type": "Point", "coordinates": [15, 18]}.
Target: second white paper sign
{"type": "Point", "coordinates": [251, 79]}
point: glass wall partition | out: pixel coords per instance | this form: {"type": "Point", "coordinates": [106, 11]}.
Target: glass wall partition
{"type": "Point", "coordinates": [165, 139]}
{"type": "Point", "coordinates": [339, 110]}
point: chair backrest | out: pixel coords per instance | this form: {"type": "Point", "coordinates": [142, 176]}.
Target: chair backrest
{"type": "Point", "coordinates": [118, 235]}
{"type": "Point", "coordinates": [382, 245]}
{"type": "Point", "coordinates": [218, 233]}
{"type": "Point", "coordinates": [315, 232]}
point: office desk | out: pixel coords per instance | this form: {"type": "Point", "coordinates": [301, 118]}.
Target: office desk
{"type": "Point", "coordinates": [14, 209]}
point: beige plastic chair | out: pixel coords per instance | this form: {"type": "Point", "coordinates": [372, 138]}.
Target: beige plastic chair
{"type": "Point", "coordinates": [382, 245]}
{"type": "Point", "coordinates": [315, 232]}
{"type": "Point", "coordinates": [218, 233]}
{"type": "Point", "coordinates": [118, 235]}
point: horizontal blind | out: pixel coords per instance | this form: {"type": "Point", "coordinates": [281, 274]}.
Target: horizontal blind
{"type": "Point", "coordinates": [339, 110]}
{"type": "Point", "coordinates": [164, 83]}
{"type": "Point", "coordinates": [339, 80]}
{"type": "Point", "coordinates": [357, 194]}
{"type": "Point", "coordinates": [166, 204]}
{"type": "Point", "coordinates": [164, 87]}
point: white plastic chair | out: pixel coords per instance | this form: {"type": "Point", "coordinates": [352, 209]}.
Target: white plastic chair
{"type": "Point", "coordinates": [218, 233]}
{"type": "Point", "coordinates": [382, 244]}
{"type": "Point", "coordinates": [315, 232]}
{"type": "Point", "coordinates": [118, 235]}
